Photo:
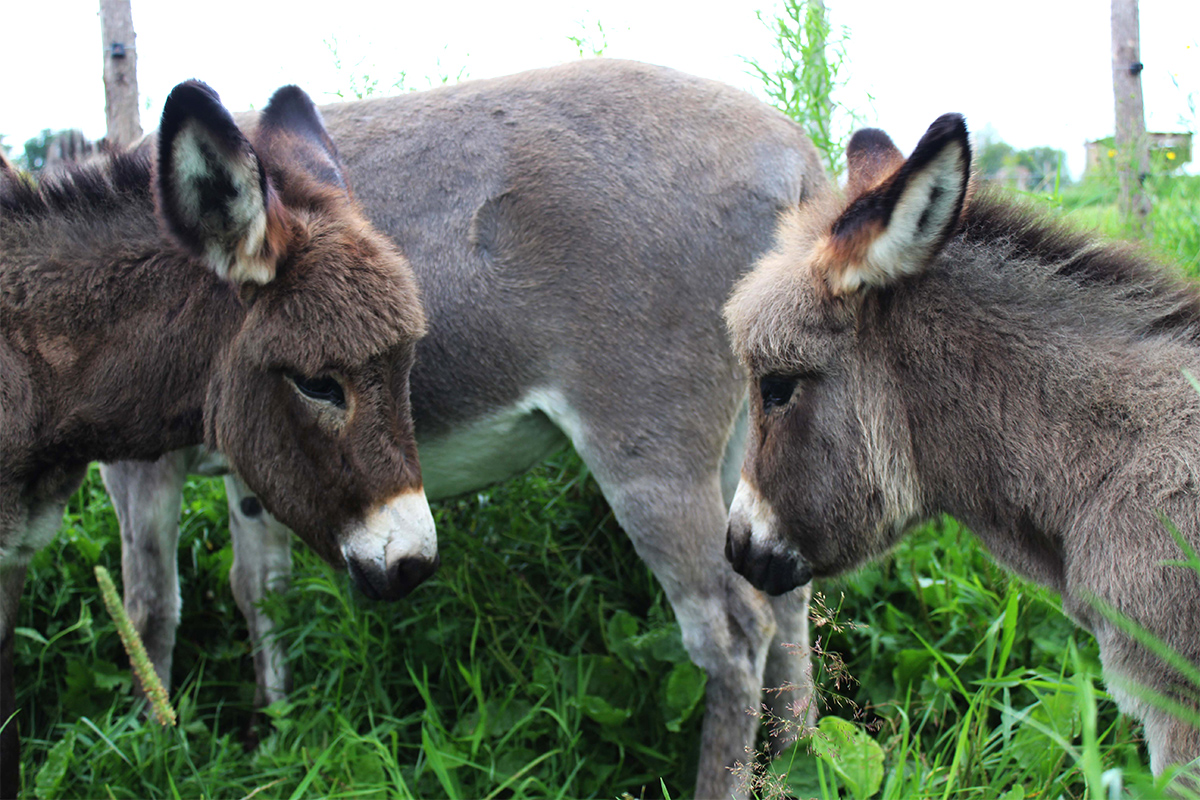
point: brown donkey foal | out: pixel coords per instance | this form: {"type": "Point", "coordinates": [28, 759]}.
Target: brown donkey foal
{"type": "Point", "coordinates": [265, 318]}
{"type": "Point", "coordinates": [913, 353]}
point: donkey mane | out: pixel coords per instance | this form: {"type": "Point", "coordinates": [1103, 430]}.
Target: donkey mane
{"type": "Point", "coordinates": [1154, 299]}
{"type": "Point", "coordinates": [99, 184]}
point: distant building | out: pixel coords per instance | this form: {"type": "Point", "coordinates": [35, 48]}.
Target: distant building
{"type": "Point", "coordinates": [1167, 151]}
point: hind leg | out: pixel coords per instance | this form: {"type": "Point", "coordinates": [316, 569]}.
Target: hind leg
{"type": "Point", "coordinates": [146, 496]}
{"type": "Point", "coordinates": [26, 530]}
{"type": "Point", "coordinates": [727, 625]}
{"type": "Point", "coordinates": [262, 562]}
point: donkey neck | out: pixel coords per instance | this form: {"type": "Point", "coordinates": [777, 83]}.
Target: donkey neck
{"type": "Point", "coordinates": [111, 330]}
{"type": "Point", "coordinates": [1025, 392]}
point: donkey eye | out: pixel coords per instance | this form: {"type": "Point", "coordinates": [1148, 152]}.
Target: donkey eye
{"type": "Point", "coordinates": [776, 390]}
{"type": "Point", "coordinates": [323, 388]}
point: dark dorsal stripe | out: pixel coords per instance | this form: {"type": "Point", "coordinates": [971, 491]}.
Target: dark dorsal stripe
{"type": "Point", "coordinates": [102, 184]}
{"type": "Point", "coordinates": [1029, 234]}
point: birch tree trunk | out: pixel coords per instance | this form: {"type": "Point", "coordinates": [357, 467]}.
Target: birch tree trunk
{"type": "Point", "coordinates": [120, 73]}
{"type": "Point", "coordinates": [1133, 155]}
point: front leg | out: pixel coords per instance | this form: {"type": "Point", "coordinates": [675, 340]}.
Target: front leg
{"type": "Point", "coordinates": [25, 531]}
{"type": "Point", "coordinates": [147, 496]}
{"type": "Point", "coordinates": [12, 580]}
{"type": "Point", "coordinates": [262, 562]}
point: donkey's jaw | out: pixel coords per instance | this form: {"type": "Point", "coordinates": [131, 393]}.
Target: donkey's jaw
{"type": "Point", "coordinates": [753, 547]}
{"type": "Point", "coordinates": [394, 549]}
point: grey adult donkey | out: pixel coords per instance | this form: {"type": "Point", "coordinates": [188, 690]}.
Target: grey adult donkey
{"type": "Point", "coordinates": [916, 352]}
{"type": "Point", "coordinates": [575, 232]}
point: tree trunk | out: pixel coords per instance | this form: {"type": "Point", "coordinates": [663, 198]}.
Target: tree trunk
{"type": "Point", "coordinates": [120, 73]}
{"type": "Point", "coordinates": [1133, 155]}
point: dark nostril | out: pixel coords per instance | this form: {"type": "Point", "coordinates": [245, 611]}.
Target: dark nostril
{"type": "Point", "coordinates": [362, 580]}
{"type": "Point", "coordinates": [408, 573]}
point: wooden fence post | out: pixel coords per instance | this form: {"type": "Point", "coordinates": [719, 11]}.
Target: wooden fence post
{"type": "Point", "coordinates": [120, 73]}
{"type": "Point", "coordinates": [1133, 154]}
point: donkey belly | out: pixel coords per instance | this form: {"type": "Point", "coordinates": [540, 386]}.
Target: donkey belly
{"type": "Point", "coordinates": [487, 450]}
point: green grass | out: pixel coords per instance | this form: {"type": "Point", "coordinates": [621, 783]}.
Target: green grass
{"type": "Point", "coordinates": [1173, 226]}
{"type": "Point", "coordinates": [540, 661]}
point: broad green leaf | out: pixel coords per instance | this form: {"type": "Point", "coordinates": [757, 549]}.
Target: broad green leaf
{"type": "Point", "coordinates": [854, 756]}
{"type": "Point", "coordinates": [58, 760]}
{"type": "Point", "coordinates": [601, 711]}
{"type": "Point", "coordinates": [682, 690]}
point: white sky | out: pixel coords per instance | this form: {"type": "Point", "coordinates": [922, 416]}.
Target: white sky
{"type": "Point", "coordinates": [1036, 71]}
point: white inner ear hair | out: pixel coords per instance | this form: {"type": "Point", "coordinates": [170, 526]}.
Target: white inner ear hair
{"type": "Point", "coordinates": [232, 237]}
{"type": "Point", "coordinates": [918, 221]}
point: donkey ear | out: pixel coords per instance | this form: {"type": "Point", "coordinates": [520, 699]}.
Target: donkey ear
{"type": "Point", "coordinates": [213, 192]}
{"type": "Point", "coordinates": [895, 228]}
{"type": "Point", "coordinates": [871, 157]}
{"type": "Point", "coordinates": [292, 120]}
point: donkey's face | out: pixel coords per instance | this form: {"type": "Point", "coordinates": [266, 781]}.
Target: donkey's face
{"type": "Point", "coordinates": [309, 398]}
{"type": "Point", "coordinates": [828, 480]}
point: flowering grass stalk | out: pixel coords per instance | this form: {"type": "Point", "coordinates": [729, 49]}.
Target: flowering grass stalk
{"type": "Point", "coordinates": [138, 659]}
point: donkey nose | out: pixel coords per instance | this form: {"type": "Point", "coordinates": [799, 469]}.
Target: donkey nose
{"type": "Point", "coordinates": [394, 549]}
{"type": "Point", "coordinates": [395, 582]}
{"type": "Point", "coordinates": [768, 569]}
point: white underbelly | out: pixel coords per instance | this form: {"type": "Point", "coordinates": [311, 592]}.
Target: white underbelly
{"type": "Point", "coordinates": [487, 451]}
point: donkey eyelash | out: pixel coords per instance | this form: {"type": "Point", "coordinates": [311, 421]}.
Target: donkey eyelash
{"type": "Point", "coordinates": [323, 388]}
{"type": "Point", "coordinates": [777, 390]}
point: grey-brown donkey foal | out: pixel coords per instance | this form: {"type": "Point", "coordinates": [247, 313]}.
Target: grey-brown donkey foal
{"type": "Point", "coordinates": [265, 317]}
{"type": "Point", "coordinates": [913, 354]}
{"type": "Point", "coordinates": [575, 232]}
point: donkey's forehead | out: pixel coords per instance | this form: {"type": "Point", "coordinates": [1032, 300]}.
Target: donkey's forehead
{"type": "Point", "coordinates": [338, 305]}
{"type": "Point", "coordinates": [781, 315]}
{"type": "Point", "coordinates": [780, 323]}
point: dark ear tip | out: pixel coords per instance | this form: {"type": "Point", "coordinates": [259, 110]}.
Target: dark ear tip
{"type": "Point", "coordinates": [868, 140]}
{"type": "Point", "coordinates": [290, 94]}
{"type": "Point", "coordinates": [948, 126]}
{"type": "Point", "coordinates": [291, 104]}
{"type": "Point", "coordinates": [190, 94]}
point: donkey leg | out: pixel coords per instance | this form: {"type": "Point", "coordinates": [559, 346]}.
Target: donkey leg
{"type": "Point", "coordinates": [1170, 741]}
{"type": "Point", "coordinates": [146, 496]}
{"type": "Point", "coordinates": [676, 527]}
{"type": "Point", "coordinates": [262, 562]}
{"type": "Point", "coordinates": [28, 530]}
{"type": "Point", "coordinates": [12, 580]}
{"type": "Point", "coordinates": [788, 678]}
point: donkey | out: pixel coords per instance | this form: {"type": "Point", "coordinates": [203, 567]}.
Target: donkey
{"type": "Point", "coordinates": [262, 316]}
{"type": "Point", "coordinates": [575, 232]}
{"type": "Point", "coordinates": [913, 353]}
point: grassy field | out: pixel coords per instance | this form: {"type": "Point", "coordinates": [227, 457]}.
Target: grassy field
{"type": "Point", "coordinates": [543, 661]}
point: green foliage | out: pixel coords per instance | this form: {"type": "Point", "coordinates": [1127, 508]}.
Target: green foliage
{"type": "Point", "coordinates": [34, 156]}
{"type": "Point", "coordinates": [810, 71]}
{"type": "Point", "coordinates": [359, 84]}
{"type": "Point", "coordinates": [541, 660]}
{"type": "Point", "coordinates": [589, 44]}
{"type": "Point", "coordinates": [1037, 169]}
{"type": "Point", "coordinates": [1172, 233]}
